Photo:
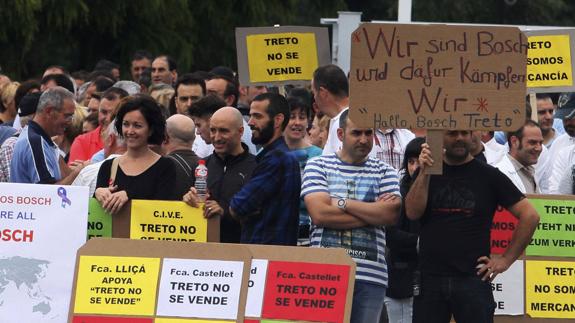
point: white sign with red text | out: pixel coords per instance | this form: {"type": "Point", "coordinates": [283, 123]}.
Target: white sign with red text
{"type": "Point", "coordinates": [41, 229]}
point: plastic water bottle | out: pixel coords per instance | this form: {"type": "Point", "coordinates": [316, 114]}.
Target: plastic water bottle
{"type": "Point", "coordinates": [201, 180]}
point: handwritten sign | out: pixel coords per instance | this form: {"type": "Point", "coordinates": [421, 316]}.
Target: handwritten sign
{"type": "Point", "coordinates": [549, 61]}
{"type": "Point", "coordinates": [438, 77]}
{"type": "Point", "coordinates": [117, 285]}
{"type": "Point", "coordinates": [167, 220]}
{"type": "Point", "coordinates": [550, 289]}
{"type": "Point", "coordinates": [99, 221]}
{"type": "Point", "coordinates": [280, 55]}
{"type": "Point", "coordinates": [555, 233]}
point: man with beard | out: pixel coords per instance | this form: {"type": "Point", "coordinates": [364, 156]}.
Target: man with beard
{"type": "Point", "coordinates": [268, 205]}
{"type": "Point", "coordinates": [350, 197]}
{"type": "Point", "coordinates": [456, 211]}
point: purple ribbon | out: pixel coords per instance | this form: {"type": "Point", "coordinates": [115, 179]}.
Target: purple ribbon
{"type": "Point", "coordinates": [62, 195]}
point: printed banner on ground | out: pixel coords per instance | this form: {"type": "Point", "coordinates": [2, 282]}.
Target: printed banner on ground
{"type": "Point", "coordinates": [41, 228]}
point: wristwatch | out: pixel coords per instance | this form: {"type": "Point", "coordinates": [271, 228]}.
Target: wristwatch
{"type": "Point", "coordinates": [341, 203]}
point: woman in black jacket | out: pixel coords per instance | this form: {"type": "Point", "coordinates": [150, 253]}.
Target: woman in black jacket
{"type": "Point", "coordinates": [401, 241]}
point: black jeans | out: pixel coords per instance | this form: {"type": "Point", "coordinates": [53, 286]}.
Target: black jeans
{"type": "Point", "coordinates": [468, 298]}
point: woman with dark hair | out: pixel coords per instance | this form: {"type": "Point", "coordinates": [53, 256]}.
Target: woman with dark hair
{"type": "Point", "coordinates": [401, 240]}
{"type": "Point", "coordinates": [139, 173]}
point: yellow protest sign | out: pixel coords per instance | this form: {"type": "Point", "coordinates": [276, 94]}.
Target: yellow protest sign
{"type": "Point", "coordinates": [167, 220]}
{"type": "Point", "coordinates": [281, 57]}
{"type": "Point", "coordinates": [116, 285]}
{"type": "Point", "coordinates": [549, 61]}
{"type": "Point", "coordinates": [550, 289]}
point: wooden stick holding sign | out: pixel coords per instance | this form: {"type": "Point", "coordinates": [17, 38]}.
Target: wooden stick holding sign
{"type": "Point", "coordinates": [435, 141]}
{"type": "Point", "coordinates": [438, 77]}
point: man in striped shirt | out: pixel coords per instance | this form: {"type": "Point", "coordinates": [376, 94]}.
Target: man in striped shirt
{"type": "Point", "coordinates": [350, 197]}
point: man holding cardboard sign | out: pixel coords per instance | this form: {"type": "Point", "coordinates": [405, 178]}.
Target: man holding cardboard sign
{"type": "Point", "coordinates": [456, 211]}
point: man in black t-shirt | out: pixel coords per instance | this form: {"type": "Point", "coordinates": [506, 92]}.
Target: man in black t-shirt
{"type": "Point", "coordinates": [456, 211]}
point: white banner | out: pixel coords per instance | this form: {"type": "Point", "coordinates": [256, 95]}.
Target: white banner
{"type": "Point", "coordinates": [509, 290]}
{"type": "Point", "coordinates": [41, 228]}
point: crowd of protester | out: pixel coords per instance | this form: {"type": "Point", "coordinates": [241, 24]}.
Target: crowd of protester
{"type": "Point", "coordinates": [287, 166]}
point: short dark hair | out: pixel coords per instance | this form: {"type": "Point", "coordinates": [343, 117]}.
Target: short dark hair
{"type": "Point", "coordinates": [25, 88]}
{"type": "Point", "coordinates": [172, 64]}
{"type": "Point", "coordinates": [206, 106]}
{"type": "Point", "coordinates": [80, 75]}
{"type": "Point", "coordinates": [151, 111]}
{"type": "Point", "coordinates": [333, 79]}
{"type": "Point", "coordinates": [190, 79]}
{"type": "Point", "coordinates": [102, 83]}
{"type": "Point", "coordinates": [232, 87]}
{"type": "Point", "coordinates": [114, 93]}
{"type": "Point", "coordinates": [141, 54]}
{"type": "Point", "coordinates": [343, 119]}
{"type": "Point", "coordinates": [276, 104]}
{"type": "Point", "coordinates": [543, 96]}
{"type": "Point", "coordinates": [60, 67]}
{"type": "Point", "coordinates": [519, 132]}
{"type": "Point", "coordinates": [105, 65]}
{"type": "Point", "coordinates": [300, 98]}
{"type": "Point", "coordinates": [62, 80]}
{"type": "Point", "coordinates": [96, 74]}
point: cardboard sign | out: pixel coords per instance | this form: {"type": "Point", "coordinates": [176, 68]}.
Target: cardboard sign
{"type": "Point", "coordinates": [438, 77]}
{"type": "Point", "coordinates": [555, 233]}
{"type": "Point", "coordinates": [550, 60]}
{"type": "Point", "coordinates": [550, 289]}
{"type": "Point", "coordinates": [164, 220]}
{"type": "Point", "coordinates": [167, 220]}
{"type": "Point", "coordinates": [280, 55]}
{"type": "Point", "coordinates": [195, 282]}
{"type": "Point", "coordinates": [41, 228]}
{"type": "Point", "coordinates": [504, 223]}
{"type": "Point", "coordinates": [99, 221]}
{"type": "Point", "coordinates": [309, 285]}
{"type": "Point", "coordinates": [505, 286]}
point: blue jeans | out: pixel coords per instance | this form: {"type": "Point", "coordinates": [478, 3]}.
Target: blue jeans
{"type": "Point", "coordinates": [399, 310]}
{"type": "Point", "coordinates": [468, 299]}
{"type": "Point", "coordinates": [367, 302]}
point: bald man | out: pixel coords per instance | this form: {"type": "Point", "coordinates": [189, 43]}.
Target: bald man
{"type": "Point", "coordinates": [229, 168]}
{"type": "Point", "coordinates": [180, 136]}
